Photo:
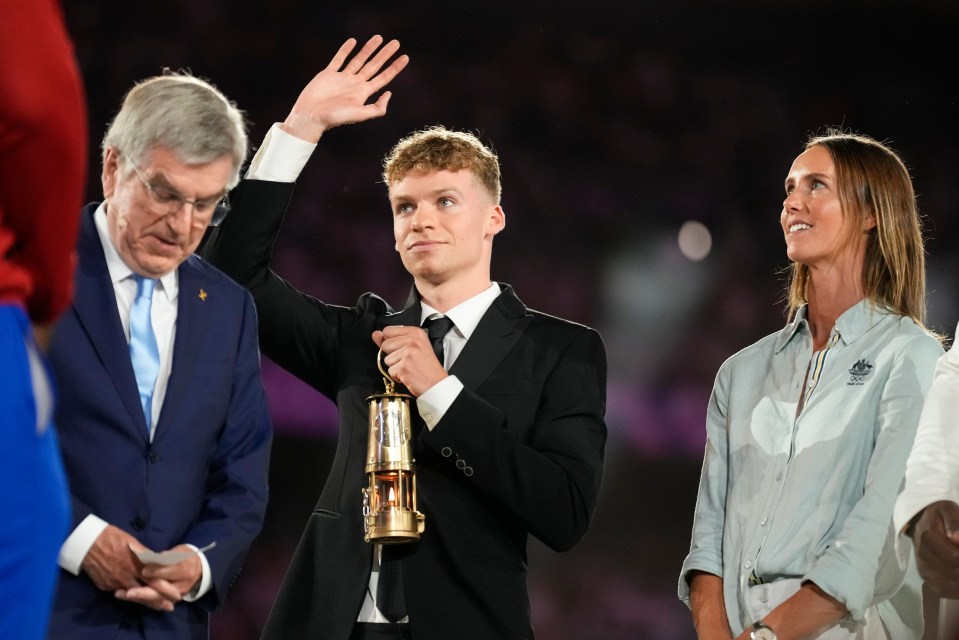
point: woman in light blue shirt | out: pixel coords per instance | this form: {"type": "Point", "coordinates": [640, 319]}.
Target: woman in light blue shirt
{"type": "Point", "coordinates": [808, 430]}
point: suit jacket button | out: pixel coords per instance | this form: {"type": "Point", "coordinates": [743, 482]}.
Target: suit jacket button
{"type": "Point", "coordinates": [153, 456]}
{"type": "Point", "coordinates": [446, 451]}
{"type": "Point", "coordinates": [468, 471]}
{"type": "Point", "coordinates": [137, 523]}
{"type": "Point", "coordinates": [461, 464]}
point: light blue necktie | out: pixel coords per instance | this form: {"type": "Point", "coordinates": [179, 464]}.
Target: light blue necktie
{"type": "Point", "coordinates": [144, 353]}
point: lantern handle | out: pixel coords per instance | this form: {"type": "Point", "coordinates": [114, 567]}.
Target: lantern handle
{"type": "Point", "coordinates": [388, 380]}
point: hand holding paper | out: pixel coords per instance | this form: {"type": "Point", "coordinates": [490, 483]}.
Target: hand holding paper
{"type": "Point", "coordinates": [171, 556]}
{"type": "Point", "coordinates": [167, 576]}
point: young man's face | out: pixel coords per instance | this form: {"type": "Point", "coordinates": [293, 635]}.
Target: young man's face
{"type": "Point", "coordinates": [444, 224]}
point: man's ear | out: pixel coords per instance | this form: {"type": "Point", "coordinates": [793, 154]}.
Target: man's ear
{"type": "Point", "coordinates": [109, 173]}
{"type": "Point", "coordinates": [496, 222]}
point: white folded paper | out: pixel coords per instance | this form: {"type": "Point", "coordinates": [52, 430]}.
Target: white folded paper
{"type": "Point", "coordinates": [168, 557]}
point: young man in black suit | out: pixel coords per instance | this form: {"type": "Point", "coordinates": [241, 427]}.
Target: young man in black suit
{"type": "Point", "coordinates": [509, 430]}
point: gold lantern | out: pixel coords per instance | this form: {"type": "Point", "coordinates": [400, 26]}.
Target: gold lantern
{"type": "Point", "coordinates": [389, 502]}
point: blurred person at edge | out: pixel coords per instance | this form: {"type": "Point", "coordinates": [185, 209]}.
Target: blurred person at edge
{"type": "Point", "coordinates": [808, 430]}
{"type": "Point", "coordinates": [927, 510]}
{"type": "Point", "coordinates": [162, 417]}
{"type": "Point", "coordinates": [508, 427]}
{"type": "Point", "coordinates": [43, 145]}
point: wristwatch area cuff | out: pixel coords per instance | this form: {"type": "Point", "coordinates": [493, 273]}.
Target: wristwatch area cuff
{"type": "Point", "coordinates": [761, 631]}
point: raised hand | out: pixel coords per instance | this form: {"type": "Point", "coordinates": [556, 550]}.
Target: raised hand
{"type": "Point", "coordinates": [339, 93]}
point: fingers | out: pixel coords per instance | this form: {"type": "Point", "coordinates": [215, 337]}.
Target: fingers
{"type": "Point", "coordinates": [949, 514]}
{"type": "Point", "coordinates": [362, 65]}
{"type": "Point", "coordinates": [937, 556]}
{"type": "Point", "coordinates": [355, 65]}
{"type": "Point", "coordinates": [373, 67]}
{"type": "Point", "coordinates": [159, 595]}
{"type": "Point", "coordinates": [393, 339]}
{"type": "Point", "coordinates": [337, 61]}
{"type": "Point", "coordinates": [182, 575]}
{"type": "Point", "coordinates": [409, 358]}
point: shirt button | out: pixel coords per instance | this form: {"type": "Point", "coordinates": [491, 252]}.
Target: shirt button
{"type": "Point", "coordinates": [764, 595]}
{"type": "Point", "coordinates": [779, 476]}
{"type": "Point", "coordinates": [763, 523]}
{"type": "Point", "coordinates": [748, 564]}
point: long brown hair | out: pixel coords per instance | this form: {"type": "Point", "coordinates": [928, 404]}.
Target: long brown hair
{"type": "Point", "coordinates": [872, 179]}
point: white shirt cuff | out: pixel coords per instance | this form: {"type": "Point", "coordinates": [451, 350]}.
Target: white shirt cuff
{"type": "Point", "coordinates": [78, 544]}
{"type": "Point", "coordinates": [435, 401]}
{"type": "Point", "coordinates": [205, 580]}
{"type": "Point", "coordinates": [280, 158]}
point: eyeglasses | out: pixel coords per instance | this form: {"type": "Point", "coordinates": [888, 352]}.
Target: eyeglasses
{"type": "Point", "coordinates": [209, 212]}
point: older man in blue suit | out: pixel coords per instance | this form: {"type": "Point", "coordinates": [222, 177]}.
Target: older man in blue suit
{"type": "Point", "coordinates": [163, 421]}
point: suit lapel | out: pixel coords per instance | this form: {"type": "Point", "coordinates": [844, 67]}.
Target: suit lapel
{"type": "Point", "coordinates": [409, 316]}
{"type": "Point", "coordinates": [187, 341]}
{"type": "Point", "coordinates": [496, 334]}
{"type": "Point", "coordinates": [95, 304]}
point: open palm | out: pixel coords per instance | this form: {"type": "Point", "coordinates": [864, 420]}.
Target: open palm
{"type": "Point", "coordinates": [339, 93]}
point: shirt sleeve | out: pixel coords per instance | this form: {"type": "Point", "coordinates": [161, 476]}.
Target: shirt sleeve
{"type": "Point", "coordinates": [206, 580]}
{"type": "Point", "coordinates": [280, 158]}
{"type": "Point", "coordinates": [863, 566]}
{"type": "Point", "coordinates": [78, 543]}
{"type": "Point", "coordinates": [932, 472]}
{"type": "Point", "coordinates": [705, 552]}
{"type": "Point", "coordinates": [435, 401]}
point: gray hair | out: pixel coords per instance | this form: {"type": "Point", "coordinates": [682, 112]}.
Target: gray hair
{"type": "Point", "coordinates": [182, 113]}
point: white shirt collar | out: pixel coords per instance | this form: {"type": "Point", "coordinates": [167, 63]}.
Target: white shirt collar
{"type": "Point", "coordinates": [467, 314]}
{"type": "Point", "coordinates": [119, 271]}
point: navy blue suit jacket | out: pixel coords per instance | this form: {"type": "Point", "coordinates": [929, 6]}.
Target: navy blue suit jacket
{"type": "Point", "coordinates": [204, 476]}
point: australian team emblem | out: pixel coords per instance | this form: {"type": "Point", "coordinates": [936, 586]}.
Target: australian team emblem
{"type": "Point", "coordinates": [859, 371]}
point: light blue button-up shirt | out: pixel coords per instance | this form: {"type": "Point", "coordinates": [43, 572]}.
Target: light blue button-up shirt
{"type": "Point", "coordinates": [809, 497]}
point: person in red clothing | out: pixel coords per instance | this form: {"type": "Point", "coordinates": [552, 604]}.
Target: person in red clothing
{"type": "Point", "coordinates": [43, 143]}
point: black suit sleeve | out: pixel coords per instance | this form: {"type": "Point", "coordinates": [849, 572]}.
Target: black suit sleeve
{"type": "Point", "coordinates": [297, 331]}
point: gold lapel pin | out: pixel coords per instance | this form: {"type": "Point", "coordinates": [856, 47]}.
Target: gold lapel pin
{"type": "Point", "coordinates": [202, 295]}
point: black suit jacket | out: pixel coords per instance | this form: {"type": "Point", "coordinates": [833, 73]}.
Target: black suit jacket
{"type": "Point", "coordinates": [529, 423]}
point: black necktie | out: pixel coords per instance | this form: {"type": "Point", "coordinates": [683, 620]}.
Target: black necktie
{"type": "Point", "coordinates": [436, 329]}
{"type": "Point", "coordinates": [390, 595]}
